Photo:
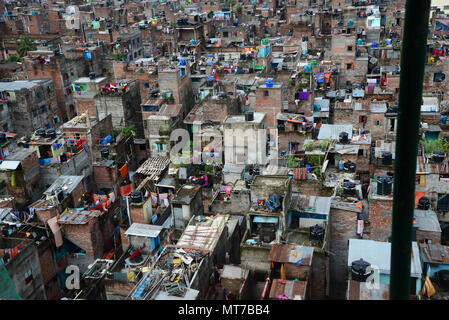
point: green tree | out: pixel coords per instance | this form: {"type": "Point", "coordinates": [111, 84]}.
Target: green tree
{"type": "Point", "coordinates": [238, 8]}
{"type": "Point", "coordinates": [436, 145]}
{"type": "Point", "coordinates": [24, 45]}
{"type": "Point", "coordinates": [12, 58]}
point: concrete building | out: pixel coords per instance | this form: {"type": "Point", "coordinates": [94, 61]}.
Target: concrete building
{"type": "Point", "coordinates": [32, 105]}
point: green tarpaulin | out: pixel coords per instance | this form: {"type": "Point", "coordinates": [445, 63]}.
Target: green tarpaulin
{"type": "Point", "coordinates": [7, 288]}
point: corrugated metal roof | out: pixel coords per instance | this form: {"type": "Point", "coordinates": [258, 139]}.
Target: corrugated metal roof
{"type": "Point", "coordinates": [79, 216]}
{"type": "Point", "coordinates": [378, 254]}
{"type": "Point", "coordinates": [64, 183]}
{"type": "Point", "coordinates": [144, 230]}
{"type": "Point", "coordinates": [360, 291]}
{"type": "Point", "coordinates": [294, 290]}
{"type": "Point", "coordinates": [21, 84]}
{"type": "Point", "coordinates": [9, 165]}
{"type": "Point", "coordinates": [332, 131]}
{"type": "Point", "coordinates": [347, 149]}
{"type": "Point", "coordinates": [311, 204]}
{"type": "Point", "coordinates": [378, 107]}
{"type": "Point", "coordinates": [427, 220]}
{"type": "Point", "coordinates": [291, 253]}
{"type": "Point", "coordinates": [434, 253]}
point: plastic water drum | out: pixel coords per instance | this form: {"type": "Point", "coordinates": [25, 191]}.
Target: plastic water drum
{"type": "Point", "coordinates": [182, 62]}
{"type": "Point", "coordinates": [443, 119]}
{"type": "Point", "coordinates": [374, 44]}
{"type": "Point", "coordinates": [308, 168]}
{"type": "Point", "coordinates": [313, 63]}
{"type": "Point", "coordinates": [359, 42]}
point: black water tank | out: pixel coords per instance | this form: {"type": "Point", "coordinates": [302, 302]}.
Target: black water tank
{"type": "Point", "coordinates": [136, 197]}
{"type": "Point", "coordinates": [249, 116]}
{"type": "Point", "coordinates": [40, 132]}
{"type": "Point", "coordinates": [387, 158]}
{"type": "Point", "coordinates": [63, 157]}
{"type": "Point", "coordinates": [438, 156]}
{"type": "Point", "coordinates": [349, 167]}
{"type": "Point", "coordinates": [360, 270]}
{"type": "Point", "coordinates": [92, 75]}
{"type": "Point", "coordinates": [316, 233]}
{"type": "Point", "coordinates": [348, 187]}
{"type": "Point", "coordinates": [384, 185]}
{"type": "Point", "coordinates": [344, 137]}
{"type": "Point", "coordinates": [424, 203]}
{"type": "Point", "coordinates": [2, 137]}
{"type": "Point", "coordinates": [51, 133]}
{"type": "Point", "coordinates": [104, 153]}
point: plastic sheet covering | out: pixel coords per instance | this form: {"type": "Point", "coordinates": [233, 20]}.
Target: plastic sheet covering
{"type": "Point", "coordinates": [7, 288]}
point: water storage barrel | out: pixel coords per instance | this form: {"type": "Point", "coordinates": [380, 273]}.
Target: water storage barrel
{"type": "Point", "coordinates": [424, 203]}
{"type": "Point", "coordinates": [136, 197]}
{"type": "Point", "coordinates": [360, 270]}
{"type": "Point", "coordinates": [349, 167]}
{"type": "Point", "coordinates": [316, 233]}
{"type": "Point", "coordinates": [387, 158]}
{"type": "Point", "coordinates": [384, 185]}
{"type": "Point", "coordinates": [438, 156]}
{"type": "Point", "coordinates": [2, 137]}
{"type": "Point", "coordinates": [51, 133]}
{"type": "Point", "coordinates": [349, 187]}
{"type": "Point", "coordinates": [249, 116]}
{"type": "Point", "coordinates": [40, 132]}
{"type": "Point", "coordinates": [343, 137]}
{"type": "Point", "coordinates": [105, 153]}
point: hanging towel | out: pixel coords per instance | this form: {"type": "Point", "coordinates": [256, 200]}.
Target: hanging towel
{"type": "Point", "coordinates": [124, 170]}
{"type": "Point", "coordinates": [112, 197]}
{"type": "Point", "coordinates": [54, 226]}
{"type": "Point", "coordinates": [125, 190]}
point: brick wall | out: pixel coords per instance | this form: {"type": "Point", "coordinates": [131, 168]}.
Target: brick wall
{"type": "Point", "coordinates": [48, 271]}
{"type": "Point", "coordinates": [343, 226]}
{"type": "Point", "coordinates": [380, 217]}
{"type": "Point", "coordinates": [137, 214]}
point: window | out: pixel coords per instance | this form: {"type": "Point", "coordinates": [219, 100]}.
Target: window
{"type": "Point", "coordinates": [392, 124]}
{"type": "Point", "coordinates": [160, 146]}
{"type": "Point", "coordinates": [266, 93]}
{"type": "Point", "coordinates": [362, 119]}
{"type": "Point", "coordinates": [348, 66]}
{"type": "Point", "coordinates": [146, 85]}
{"type": "Point", "coordinates": [378, 123]}
{"type": "Point", "coordinates": [349, 48]}
{"type": "Point", "coordinates": [225, 34]}
{"type": "Point", "coordinates": [28, 276]}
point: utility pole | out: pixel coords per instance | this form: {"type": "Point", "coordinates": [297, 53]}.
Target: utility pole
{"type": "Point", "coordinates": [410, 99]}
